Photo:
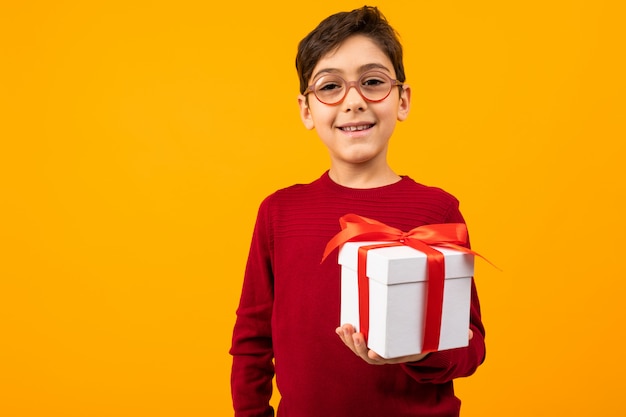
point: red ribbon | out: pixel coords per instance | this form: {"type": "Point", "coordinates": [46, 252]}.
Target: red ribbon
{"type": "Point", "coordinates": [450, 235]}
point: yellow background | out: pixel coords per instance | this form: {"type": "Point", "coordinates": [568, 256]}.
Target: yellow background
{"type": "Point", "coordinates": [139, 137]}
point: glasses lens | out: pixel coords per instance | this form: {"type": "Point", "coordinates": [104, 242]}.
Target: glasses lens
{"type": "Point", "coordinates": [375, 86]}
{"type": "Point", "coordinates": [330, 89]}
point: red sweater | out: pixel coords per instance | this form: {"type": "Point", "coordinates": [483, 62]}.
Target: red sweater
{"type": "Point", "coordinates": [289, 310]}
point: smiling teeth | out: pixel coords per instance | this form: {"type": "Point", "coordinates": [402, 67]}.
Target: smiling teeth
{"type": "Point", "coordinates": [355, 128]}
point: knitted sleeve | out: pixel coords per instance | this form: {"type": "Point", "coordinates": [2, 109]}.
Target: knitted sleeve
{"type": "Point", "coordinates": [252, 367]}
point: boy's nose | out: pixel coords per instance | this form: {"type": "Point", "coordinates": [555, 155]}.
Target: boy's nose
{"type": "Point", "coordinates": [354, 100]}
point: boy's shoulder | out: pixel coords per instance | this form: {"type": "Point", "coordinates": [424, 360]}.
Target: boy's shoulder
{"type": "Point", "coordinates": [295, 192]}
{"type": "Point", "coordinates": [430, 190]}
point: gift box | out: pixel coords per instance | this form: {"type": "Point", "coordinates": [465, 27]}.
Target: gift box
{"type": "Point", "coordinates": [397, 281]}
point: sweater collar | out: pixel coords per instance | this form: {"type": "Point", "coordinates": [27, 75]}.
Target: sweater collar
{"type": "Point", "coordinates": [328, 183]}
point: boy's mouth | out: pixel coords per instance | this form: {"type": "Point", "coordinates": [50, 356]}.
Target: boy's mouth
{"type": "Point", "coordinates": [355, 128]}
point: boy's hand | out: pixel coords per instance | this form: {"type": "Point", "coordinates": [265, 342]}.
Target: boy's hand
{"type": "Point", "coordinates": [356, 342]}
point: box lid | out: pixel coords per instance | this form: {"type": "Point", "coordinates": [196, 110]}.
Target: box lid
{"type": "Point", "coordinates": [402, 264]}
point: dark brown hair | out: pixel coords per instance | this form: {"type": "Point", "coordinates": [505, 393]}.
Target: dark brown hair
{"type": "Point", "coordinates": [335, 29]}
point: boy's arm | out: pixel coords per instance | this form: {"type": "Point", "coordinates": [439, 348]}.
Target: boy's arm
{"type": "Point", "coordinates": [253, 368]}
{"type": "Point", "coordinates": [436, 367]}
{"type": "Point", "coordinates": [443, 366]}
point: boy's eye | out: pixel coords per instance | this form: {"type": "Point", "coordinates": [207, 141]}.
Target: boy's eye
{"type": "Point", "coordinates": [372, 82]}
{"type": "Point", "coordinates": [330, 85]}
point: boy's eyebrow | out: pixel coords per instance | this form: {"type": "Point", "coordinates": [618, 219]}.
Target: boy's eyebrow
{"type": "Point", "coordinates": [372, 66]}
{"type": "Point", "coordinates": [362, 68]}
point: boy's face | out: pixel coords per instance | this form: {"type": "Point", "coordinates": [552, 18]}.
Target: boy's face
{"type": "Point", "coordinates": [374, 121]}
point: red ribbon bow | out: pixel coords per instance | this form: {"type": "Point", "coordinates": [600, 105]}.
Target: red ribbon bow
{"type": "Point", "coordinates": [450, 235]}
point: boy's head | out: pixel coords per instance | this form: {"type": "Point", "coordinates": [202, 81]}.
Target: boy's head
{"type": "Point", "coordinates": [335, 29]}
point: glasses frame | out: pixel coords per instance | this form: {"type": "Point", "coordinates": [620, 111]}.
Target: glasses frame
{"type": "Point", "coordinates": [356, 84]}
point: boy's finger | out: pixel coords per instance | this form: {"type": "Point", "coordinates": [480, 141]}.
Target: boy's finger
{"type": "Point", "coordinates": [339, 332]}
{"type": "Point", "coordinates": [359, 344]}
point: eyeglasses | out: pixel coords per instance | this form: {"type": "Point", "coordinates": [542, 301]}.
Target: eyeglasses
{"type": "Point", "coordinates": [373, 86]}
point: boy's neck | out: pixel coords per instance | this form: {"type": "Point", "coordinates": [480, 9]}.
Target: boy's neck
{"type": "Point", "coordinates": [357, 177]}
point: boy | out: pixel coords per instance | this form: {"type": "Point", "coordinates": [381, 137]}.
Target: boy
{"type": "Point", "coordinates": [352, 93]}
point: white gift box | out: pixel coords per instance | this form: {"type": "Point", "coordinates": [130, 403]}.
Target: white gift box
{"type": "Point", "coordinates": [397, 297]}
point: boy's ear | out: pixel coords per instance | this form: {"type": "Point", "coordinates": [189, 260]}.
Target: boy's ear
{"type": "Point", "coordinates": [305, 112]}
{"type": "Point", "coordinates": [405, 103]}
